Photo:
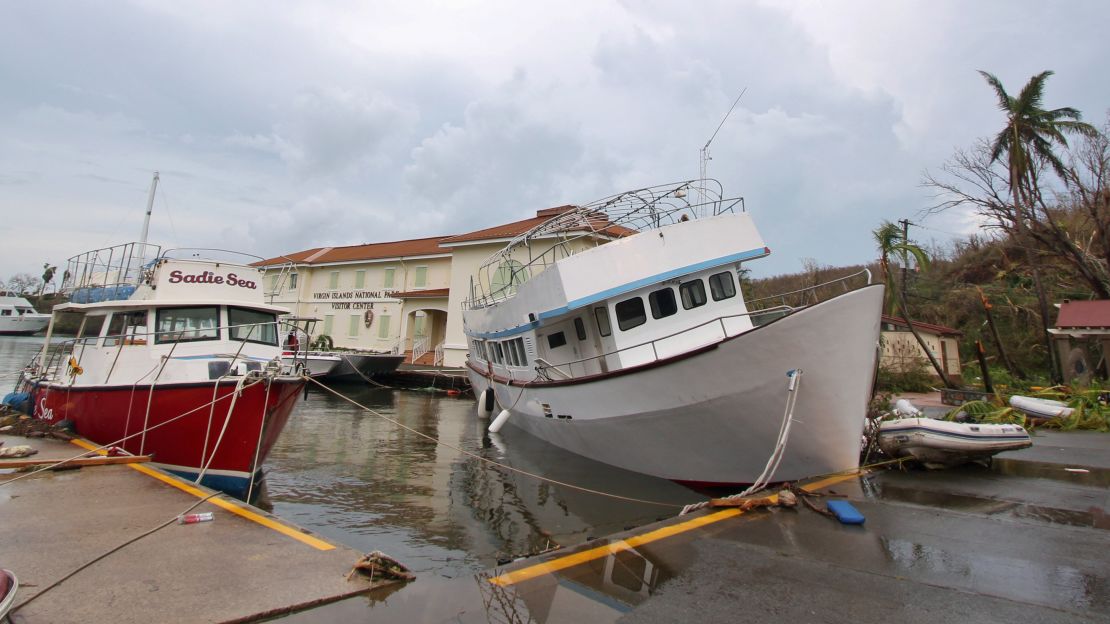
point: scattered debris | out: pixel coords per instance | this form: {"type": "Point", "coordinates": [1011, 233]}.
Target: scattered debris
{"type": "Point", "coordinates": [378, 565]}
{"type": "Point", "coordinates": [23, 425]}
{"type": "Point", "coordinates": [17, 451]}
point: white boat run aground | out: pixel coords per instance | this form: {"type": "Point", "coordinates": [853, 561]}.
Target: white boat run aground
{"type": "Point", "coordinates": [618, 330]}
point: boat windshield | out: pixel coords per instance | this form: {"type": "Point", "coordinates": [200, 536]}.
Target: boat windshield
{"type": "Point", "coordinates": [252, 326]}
{"type": "Point", "coordinates": [187, 324]}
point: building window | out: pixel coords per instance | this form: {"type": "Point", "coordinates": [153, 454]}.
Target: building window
{"type": "Point", "coordinates": [360, 279]}
{"type": "Point", "coordinates": [353, 323]}
{"type": "Point", "coordinates": [693, 294]}
{"type": "Point", "coordinates": [580, 328]}
{"type": "Point", "coordinates": [603, 327]}
{"type": "Point", "coordinates": [273, 283]}
{"type": "Point", "coordinates": [329, 320]}
{"type": "Point", "coordinates": [722, 286]}
{"type": "Point", "coordinates": [506, 278]}
{"type": "Point", "coordinates": [292, 281]}
{"type": "Point", "coordinates": [383, 326]}
{"type": "Point", "coordinates": [662, 303]}
{"type": "Point", "coordinates": [387, 281]}
{"type": "Point", "coordinates": [420, 325]}
{"type": "Point", "coordinates": [630, 313]}
{"type": "Point", "coordinates": [420, 278]}
{"type": "Point", "coordinates": [333, 280]}
{"type": "Point", "coordinates": [556, 340]}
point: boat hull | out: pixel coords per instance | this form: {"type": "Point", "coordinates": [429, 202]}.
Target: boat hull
{"type": "Point", "coordinates": [359, 366]}
{"type": "Point", "coordinates": [939, 444]}
{"type": "Point", "coordinates": [106, 414]}
{"type": "Point", "coordinates": [712, 416]}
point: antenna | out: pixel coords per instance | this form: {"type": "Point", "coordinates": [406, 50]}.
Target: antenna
{"type": "Point", "coordinates": [705, 157]}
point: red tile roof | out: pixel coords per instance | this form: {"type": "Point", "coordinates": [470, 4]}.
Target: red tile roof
{"type": "Point", "coordinates": [927, 327]}
{"type": "Point", "coordinates": [370, 251]}
{"type": "Point", "coordinates": [1085, 314]}
{"type": "Point", "coordinates": [517, 228]}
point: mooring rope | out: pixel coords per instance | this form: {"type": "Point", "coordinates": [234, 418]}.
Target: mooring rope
{"type": "Point", "coordinates": [486, 459]}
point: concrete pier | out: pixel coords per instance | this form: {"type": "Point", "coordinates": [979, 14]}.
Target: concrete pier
{"type": "Point", "coordinates": [244, 565]}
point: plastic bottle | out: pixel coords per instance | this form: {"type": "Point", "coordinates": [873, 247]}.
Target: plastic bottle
{"type": "Point", "coordinates": [207, 516]}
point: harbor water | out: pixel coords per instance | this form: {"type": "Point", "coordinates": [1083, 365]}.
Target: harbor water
{"type": "Point", "coordinates": [357, 476]}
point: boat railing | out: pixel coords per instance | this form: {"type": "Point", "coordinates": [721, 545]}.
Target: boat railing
{"type": "Point", "coordinates": [74, 348]}
{"type": "Point", "coordinates": [108, 274]}
{"type": "Point", "coordinates": [809, 295]}
{"type": "Point", "coordinates": [544, 369]}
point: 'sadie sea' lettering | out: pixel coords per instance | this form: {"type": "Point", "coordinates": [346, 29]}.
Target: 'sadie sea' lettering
{"type": "Point", "coordinates": [208, 277]}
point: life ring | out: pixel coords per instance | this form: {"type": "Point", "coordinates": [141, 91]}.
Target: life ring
{"type": "Point", "coordinates": [368, 318]}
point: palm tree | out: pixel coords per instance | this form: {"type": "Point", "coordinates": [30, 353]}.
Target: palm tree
{"type": "Point", "coordinates": [1027, 139]}
{"type": "Point", "coordinates": [891, 240]}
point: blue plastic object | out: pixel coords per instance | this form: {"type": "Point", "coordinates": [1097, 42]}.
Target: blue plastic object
{"type": "Point", "coordinates": [845, 512]}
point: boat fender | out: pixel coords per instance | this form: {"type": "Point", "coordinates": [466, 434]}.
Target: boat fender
{"type": "Point", "coordinates": [499, 422]}
{"type": "Point", "coordinates": [485, 403]}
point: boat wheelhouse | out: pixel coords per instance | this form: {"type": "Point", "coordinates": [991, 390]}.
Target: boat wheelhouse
{"type": "Point", "coordinates": [175, 357]}
{"type": "Point", "coordinates": [619, 330]}
{"type": "Point", "coordinates": [18, 317]}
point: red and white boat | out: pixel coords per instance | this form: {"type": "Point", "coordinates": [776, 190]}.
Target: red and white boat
{"type": "Point", "coordinates": [175, 358]}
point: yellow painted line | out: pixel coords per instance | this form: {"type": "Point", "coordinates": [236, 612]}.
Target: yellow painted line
{"type": "Point", "coordinates": [234, 507]}
{"type": "Point", "coordinates": [580, 557]}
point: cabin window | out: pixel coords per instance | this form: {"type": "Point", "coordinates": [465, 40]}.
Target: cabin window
{"type": "Point", "coordinates": [383, 326]}
{"type": "Point", "coordinates": [187, 324]}
{"type": "Point", "coordinates": [333, 280]}
{"type": "Point", "coordinates": [497, 352]}
{"type": "Point", "coordinates": [514, 352]}
{"type": "Point", "coordinates": [630, 313]}
{"type": "Point", "coordinates": [603, 327]}
{"type": "Point", "coordinates": [387, 280]}
{"type": "Point", "coordinates": [580, 328]}
{"type": "Point", "coordinates": [360, 279]}
{"type": "Point", "coordinates": [5, 312]}
{"type": "Point", "coordinates": [556, 340]}
{"type": "Point", "coordinates": [662, 303]}
{"type": "Point", "coordinates": [252, 326]}
{"type": "Point", "coordinates": [420, 280]}
{"type": "Point", "coordinates": [722, 286]}
{"type": "Point", "coordinates": [693, 294]}
{"type": "Point", "coordinates": [478, 349]}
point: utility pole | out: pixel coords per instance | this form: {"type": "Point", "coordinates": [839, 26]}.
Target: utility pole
{"type": "Point", "coordinates": [905, 260]}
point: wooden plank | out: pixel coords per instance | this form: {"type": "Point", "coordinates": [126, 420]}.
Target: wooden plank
{"type": "Point", "coordinates": [84, 461]}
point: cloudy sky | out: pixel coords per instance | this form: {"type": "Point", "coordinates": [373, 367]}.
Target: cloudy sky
{"type": "Point", "coordinates": [280, 126]}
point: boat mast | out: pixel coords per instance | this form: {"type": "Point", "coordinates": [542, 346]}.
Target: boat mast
{"type": "Point", "coordinates": [705, 157]}
{"type": "Point", "coordinates": [146, 221]}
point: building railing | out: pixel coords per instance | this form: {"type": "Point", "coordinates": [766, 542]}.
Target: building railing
{"type": "Point", "coordinates": [438, 359]}
{"type": "Point", "coordinates": [419, 347]}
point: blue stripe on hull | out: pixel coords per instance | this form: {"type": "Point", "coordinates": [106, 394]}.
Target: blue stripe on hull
{"type": "Point", "coordinates": [234, 485]}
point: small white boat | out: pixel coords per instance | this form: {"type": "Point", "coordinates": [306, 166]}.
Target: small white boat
{"type": "Point", "coordinates": [18, 318]}
{"type": "Point", "coordinates": [8, 586]}
{"type": "Point", "coordinates": [940, 443]}
{"type": "Point", "coordinates": [1040, 408]}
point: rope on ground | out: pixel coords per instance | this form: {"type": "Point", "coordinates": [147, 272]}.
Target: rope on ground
{"type": "Point", "coordinates": [486, 459]}
{"type": "Point", "coordinates": [125, 438]}
{"type": "Point", "coordinates": [775, 459]}
{"type": "Point", "coordinates": [109, 552]}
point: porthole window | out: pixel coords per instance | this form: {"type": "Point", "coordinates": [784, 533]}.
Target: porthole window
{"type": "Point", "coordinates": [603, 327]}
{"type": "Point", "coordinates": [722, 286]}
{"type": "Point", "coordinates": [630, 313]}
{"type": "Point", "coordinates": [556, 340]}
{"type": "Point", "coordinates": [692, 294]}
{"type": "Point", "coordinates": [662, 303]}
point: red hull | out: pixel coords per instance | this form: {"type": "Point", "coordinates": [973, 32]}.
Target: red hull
{"type": "Point", "coordinates": [106, 414]}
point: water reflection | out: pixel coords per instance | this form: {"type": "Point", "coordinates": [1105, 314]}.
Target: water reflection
{"type": "Point", "coordinates": [364, 481]}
